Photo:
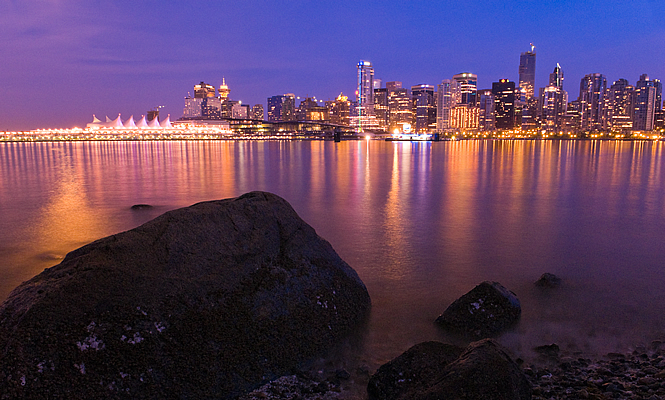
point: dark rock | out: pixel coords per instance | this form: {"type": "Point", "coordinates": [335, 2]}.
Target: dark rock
{"type": "Point", "coordinates": [487, 310]}
{"type": "Point", "coordinates": [208, 301]}
{"type": "Point", "coordinates": [432, 371]}
{"type": "Point", "coordinates": [548, 350]}
{"type": "Point", "coordinates": [141, 206]}
{"type": "Point", "coordinates": [418, 367]}
{"type": "Point", "coordinates": [548, 280]}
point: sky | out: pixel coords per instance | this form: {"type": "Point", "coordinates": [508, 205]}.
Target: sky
{"type": "Point", "coordinates": [61, 61]}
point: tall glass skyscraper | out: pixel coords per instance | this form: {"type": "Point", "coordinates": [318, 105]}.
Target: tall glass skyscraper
{"type": "Point", "coordinates": [592, 102]}
{"type": "Point", "coordinates": [527, 72]}
{"type": "Point", "coordinates": [365, 95]}
{"type": "Point", "coordinates": [644, 105]}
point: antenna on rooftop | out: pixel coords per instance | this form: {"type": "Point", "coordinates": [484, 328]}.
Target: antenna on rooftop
{"type": "Point", "coordinates": [533, 47]}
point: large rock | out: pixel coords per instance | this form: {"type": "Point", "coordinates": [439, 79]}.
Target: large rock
{"type": "Point", "coordinates": [207, 301]}
{"type": "Point", "coordinates": [486, 311]}
{"type": "Point", "coordinates": [434, 371]}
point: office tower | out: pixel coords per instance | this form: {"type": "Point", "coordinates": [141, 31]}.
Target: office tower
{"type": "Point", "coordinates": [400, 111]}
{"type": "Point", "coordinates": [257, 112]}
{"type": "Point", "coordinates": [392, 85]}
{"type": "Point", "coordinates": [504, 104]}
{"type": "Point", "coordinates": [282, 108]}
{"type": "Point", "coordinates": [486, 116]}
{"type": "Point", "coordinates": [527, 72]}
{"type": "Point", "coordinates": [556, 77]}
{"type": "Point", "coordinates": [365, 96]}
{"type": "Point", "coordinates": [203, 90]}
{"type": "Point", "coordinates": [309, 110]}
{"type": "Point", "coordinates": [619, 110]}
{"type": "Point", "coordinates": [224, 90]}
{"type": "Point", "coordinates": [423, 107]}
{"type": "Point", "coordinates": [338, 110]}
{"type": "Point", "coordinates": [381, 107]}
{"type": "Point", "coordinates": [644, 103]}
{"type": "Point", "coordinates": [464, 117]}
{"type": "Point", "coordinates": [464, 89]}
{"type": "Point", "coordinates": [239, 110]}
{"type": "Point", "coordinates": [443, 106]}
{"type": "Point", "coordinates": [553, 103]}
{"type": "Point", "coordinates": [592, 100]}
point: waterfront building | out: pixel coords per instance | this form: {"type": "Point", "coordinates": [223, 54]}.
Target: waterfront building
{"type": "Point", "coordinates": [592, 101]}
{"type": "Point", "coordinates": [486, 112]}
{"type": "Point", "coordinates": [527, 72]}
{"type": "Point", "coordinates": [400, 110]}
{"type": "Point", "coordinates": [644, 103]}
{"type": "Point", "coordinates": [309, 110]}
{"type": "Point", "coordinates": [464, 89]}
{"type": "Point", "coordinates": [240, 111]}
{"type": "Point", "coordinates": [619, 108]}
{"type": "Point", "coordinates": [282, 108]}
{"type": "Point", "coordinates": [192, 107]}
{"type": "Point", "coordinates": [659, 119]}
{"type": "Point", "coordinates": [553, 103]}
{"type": "Point", "coordinates": [257, 112]}
{"type": "Point", "coordinates": [381, 106]}
{"type": "Point", "coordinates": [464, 117]}
{"type": "Point", "coordinates": [423, 107]}
{"type": "Point", "coordinates": [443, 106]}
{"type": "Point", "coordinates": [572, 117]}
{"type": "Point", "coordinates": [504, 104]}
{"type": "Point", "coordinates": [338, 110]}
{"type": "Point", "coordinates": [365, 97]}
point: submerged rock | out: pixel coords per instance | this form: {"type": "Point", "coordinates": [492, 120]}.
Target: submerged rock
{"type": "Point", "coordinates": [141, 207]}
{"type": "Point", "coordinates": [548, 280]}
{"type": "Point", "coordinates": [482, 371]}
{"type": "Point", "coordinates": [208, 301]}
{"type": "Point", "coordinates": [487, 310]}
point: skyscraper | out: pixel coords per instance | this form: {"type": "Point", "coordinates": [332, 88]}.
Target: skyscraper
{"type": "Point", "coordinates": [592, 101]}
{"type": "Point", "coordinates": [486, 117]}
{"type": "Point", "coordinates": [400, 111]}
{"type": "Point", "coordinates": [527, 72]}
{"type": "Point", "coordinates": [644, 103]}
{"type": "Point", "coordinates": [443, 105]}
{"type": "Point", "coordinates": [556, 77]}
{"type": "Point", "coordinates": [365, 96]}
{"type": "Point", "coordinates": [553, 102]}
{"type": "Point", "coordinates": [504, 104]}
{"type": "Point", "coordinates": [620, 105]}
{"type": "Point", "coordinates": [424, 107]}
{"type": "Point", "coordinates": [282, 108]}
{"type": "Point", "coordinates": [464, 89]}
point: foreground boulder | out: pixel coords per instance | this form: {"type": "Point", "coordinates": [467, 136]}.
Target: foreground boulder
{"type": "Point", "coordinates": [431, 370]}
{"type": "Point", "coordinates": [207, 301]}
{"type": "Point", "coordinates": [486, 311]}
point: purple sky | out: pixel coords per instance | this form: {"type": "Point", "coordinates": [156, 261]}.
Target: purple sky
{"type": "Point", "coordinates": [63, 60]}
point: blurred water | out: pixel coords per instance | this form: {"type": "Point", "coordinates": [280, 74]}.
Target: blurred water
{"type": "Point", "coordinates": [422, 223]}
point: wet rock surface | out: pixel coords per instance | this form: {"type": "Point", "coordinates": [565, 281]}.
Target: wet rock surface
{"type": "Point", "coordinates": [486, 311]}
{"type": "Point", "coordinates": [431, 370]}
{"type": "Point", "coordinates": [548, 281]}
{"type": "Point", "coordinates": [639, 375]}
{"type": "Point", "coordinates": [208, 301]}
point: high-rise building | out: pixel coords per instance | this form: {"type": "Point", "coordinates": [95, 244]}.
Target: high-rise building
{"type": "Point", "coordinates": [338, 110]}
{"type": "Point", "coordinates": [400, 111]}
{"type": "Point", "coordinates": [504, 104]}
{"type": "Point", "coordinates": [592, 101]}
{"type": "Point", "coordinates": [365, 96]}
{"type": "Point", "coordinates": [553, 103]}
{"type": "Point", "coordinates": [486, 116]}
{"type": "Point", "coordinates": [444, 105]}
{"type": "Point", "coordinates": [257, 112]}
{"type": "Point", "coordinates": [619, 109]}
{"type": "Point", "coordinates": [464, 117]}
{"type": "Point", "coordinates": [464, 89]}
{"type": "Point", "coordinates": [556, 77]}
{"type": "Point", "coordinates": [381, 107]}
{"type": "Point", "coordinates": [309, 110]}
{"type": "Point", "coordinates": [527, 72]}
{"type": "Point", "coordinates": [203, 90]}
{"type": "Point", "coordinates": [644, 103]}
{"type": "Point", "coordinates": [424, 107]}
{"type": "Point", "coordinates": [282, 108]}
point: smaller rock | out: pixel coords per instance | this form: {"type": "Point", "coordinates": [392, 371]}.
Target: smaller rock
{"type": "Point", "coordinates": [548, 350]}
{"type": "Point", "coordinates": [486, 311]}
{"type": "Point", "coordinates": [549, 281]}
{"type": "Point", "coordinates": [141, 206]}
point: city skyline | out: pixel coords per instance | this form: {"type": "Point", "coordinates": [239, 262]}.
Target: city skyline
{"type": "Point", "coordinates": [67, 59]}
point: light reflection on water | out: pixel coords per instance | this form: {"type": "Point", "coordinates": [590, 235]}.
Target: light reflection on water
{"type": "Point", "coordinates": [422, 223]}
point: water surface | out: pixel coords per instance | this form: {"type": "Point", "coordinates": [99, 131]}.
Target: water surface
{"type": "Point", "coordinates": [422, 223]}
